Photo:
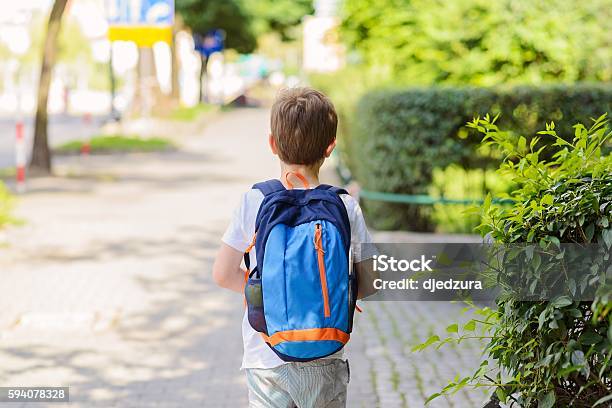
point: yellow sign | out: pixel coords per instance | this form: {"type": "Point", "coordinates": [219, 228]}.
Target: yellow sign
{"type": "Point", "coordinates": [144, 22]}
{"type": "Point", "coordinates": [143, 36]}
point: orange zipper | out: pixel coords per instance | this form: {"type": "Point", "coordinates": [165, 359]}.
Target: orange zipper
{"type": "Point", "coordinates": [318, 244]}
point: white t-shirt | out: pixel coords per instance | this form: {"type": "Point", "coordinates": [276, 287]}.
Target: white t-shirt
{"type": "Point", "coordinates": [239, 235]}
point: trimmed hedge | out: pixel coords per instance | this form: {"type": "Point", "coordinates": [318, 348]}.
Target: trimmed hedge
{"type": "Point", "coordinates": [398, 137]}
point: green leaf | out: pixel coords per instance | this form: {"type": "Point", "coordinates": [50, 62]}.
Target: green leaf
{"type": "Point", "coordinates": [589, 232]}
{"type": "Point", "coordinates": [530, 235]}
{"type": "Point", "coordinates": [547, 400]}
{"type": "Point", "coordinates": [589, 338]}
{"type": "Point", "coordinates": [607, 237]}
{"type": "Point", "coordinates": [427, 343]}
{"type": "Point", "coordinates": [602, 400]}
{"type": "Point", "coordinates": [547, 200]}
{"type": "Point", "coordinates": [536, 262]}
{"type": "Point", "coordinates": [555, 241]}
{"type": "Point", "coordinates": [561, 301]}
{"type": "Point", "coordinates": [529, 252]}
{"type": "Point", "coordinates": [470, 326]}
{"type": "Point", "coordinates": [501, 394]}
{"type": "Point", "coordinates": [432, 397]}
{"type": "Point", "coordinates": [453, 328]}
{"type": "Point", "coordinates": [572, 287]}
{"type": "Point", "coordinates": [522, 143]}
{"type": "Point", "coordinates": [542, 318]}
{"type": "Point", "coordinates": [578, 358]}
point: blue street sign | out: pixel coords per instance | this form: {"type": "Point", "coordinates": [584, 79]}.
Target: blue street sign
{"type": "Point", "coordinates": [141, 12]}
{"type": "Point", "coordinates": [213, 41]}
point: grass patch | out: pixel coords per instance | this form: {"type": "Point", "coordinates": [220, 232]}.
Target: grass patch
{"type": "Point", "coordinates": [117, 143]}
{"type": "Point", "coordinates": [8, 172]}
{"type": "Point", "coordinates": [188, 114]}
{"type": "Point", "coordinates": [6, 206]}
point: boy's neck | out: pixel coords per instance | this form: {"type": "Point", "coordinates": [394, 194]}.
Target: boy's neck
{"type": "Point", "coordinates": [311, 173]}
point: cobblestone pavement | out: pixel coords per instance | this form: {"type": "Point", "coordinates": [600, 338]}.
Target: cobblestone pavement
{"type": "Point", "coordinates": [106, 288]}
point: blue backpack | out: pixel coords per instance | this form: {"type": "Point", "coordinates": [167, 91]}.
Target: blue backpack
{"type": "Point", "coordinates": [302, 294]}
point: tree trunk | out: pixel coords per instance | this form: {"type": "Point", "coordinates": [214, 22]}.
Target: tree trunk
{"type": "Point", "coordinates": [114, 115]}
{"type": "Point", "coordinates": [203, 84]}
{"type": "Point", "coordinates": [175, 93]}
{"type": "Point", "coordinates": [138, 105]}
{"type": "Point", "coordinates": [147, 96]}
{"type": "Point", "coordinates": [41, 155]}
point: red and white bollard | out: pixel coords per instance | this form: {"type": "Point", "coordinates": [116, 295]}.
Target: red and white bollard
{"type": "Point", "coordinates": [20, 156]}
{"type": "Point", "coordinates": [86, 146]}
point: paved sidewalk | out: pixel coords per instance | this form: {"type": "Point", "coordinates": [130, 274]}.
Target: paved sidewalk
{"type": "Point", "coordinates": [107, 287]}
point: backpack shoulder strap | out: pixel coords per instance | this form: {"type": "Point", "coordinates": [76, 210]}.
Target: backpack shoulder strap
{"type": "Point", "coordinates": [333, 189]}
{"type": "Point", "coordinates": [269, 187]}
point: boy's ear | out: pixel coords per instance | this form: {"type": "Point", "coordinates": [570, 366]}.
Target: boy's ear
{"type": "Point", "coordinates": [272, 144]}
{"type": "Point", "coordinates": [330, 148]}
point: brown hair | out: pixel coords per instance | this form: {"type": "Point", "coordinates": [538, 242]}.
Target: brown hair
{"type": "Point", "coordinates": [303, 124]}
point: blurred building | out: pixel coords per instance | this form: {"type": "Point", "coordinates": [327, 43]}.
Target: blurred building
{"type": "Point", "coordinates": [323, 51]}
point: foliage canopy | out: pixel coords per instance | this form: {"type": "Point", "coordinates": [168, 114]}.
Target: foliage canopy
{"type": "Point", "coordinates": [201, 16]}
{"type": "Point", "coordinates": [243, 20]}
{"type": "Point", "coordinates": [481, 42]}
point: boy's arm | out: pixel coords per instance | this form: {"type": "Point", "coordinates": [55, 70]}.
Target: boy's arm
{"type": "Point", "coordinates": [365, 278]}
{"type": "Point", "coordinates": [363, 251]}
{"type": "Point", "coordinates": [227, 272]}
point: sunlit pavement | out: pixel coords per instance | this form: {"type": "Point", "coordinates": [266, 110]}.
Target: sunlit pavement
{"type": "Point", "coordinates": [107, 287]}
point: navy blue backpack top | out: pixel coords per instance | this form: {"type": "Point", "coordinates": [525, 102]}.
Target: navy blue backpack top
{"type": "Point", "coordinates": [302, 294]}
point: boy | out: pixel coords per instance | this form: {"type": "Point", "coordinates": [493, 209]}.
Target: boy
{"type": "Point", "coordinates": [303, 135]}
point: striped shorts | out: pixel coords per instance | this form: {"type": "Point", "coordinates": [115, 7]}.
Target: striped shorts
{"type": "Point", "coordinates": [315, 384]}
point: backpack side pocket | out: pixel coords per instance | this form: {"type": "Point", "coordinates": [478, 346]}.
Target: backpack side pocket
{"type": "Point", "coordinates": [254, 298]}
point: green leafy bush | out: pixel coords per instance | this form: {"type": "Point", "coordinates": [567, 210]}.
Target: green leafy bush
{"type": "Point", "coordinates": [397, 138]}
{"type": "Point", "coordinates": [455, 182]}
{"type": "Point", "coordinates": [548, 353]}
{"type": "Point", "coordinates": [480, 42]}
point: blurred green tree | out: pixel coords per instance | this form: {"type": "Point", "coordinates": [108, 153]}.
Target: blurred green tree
{"type": "Point", "coordinates": [72, 46]}
{"type": "Point", "coordinates": [481, 42]}
{"type": "Point", "coordinates": [279, 16]}
{"type": "Point", "coordinates": [201, 16]}
{"type": "Point", "coordinates": [242, 20]}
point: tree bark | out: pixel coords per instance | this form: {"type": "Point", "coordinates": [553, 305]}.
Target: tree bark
{"type": "Point", "coordinates": [148, 97]}
{"type": "Point", "coordinates": [203, 78]}
{"type": "Point", "coordinates": [175, 93]}
{"type": "Point", "coordinates": [41, 154]}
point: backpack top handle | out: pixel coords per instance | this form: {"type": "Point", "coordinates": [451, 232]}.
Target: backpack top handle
{"type": "Point", "coordinates": [299, 176]}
